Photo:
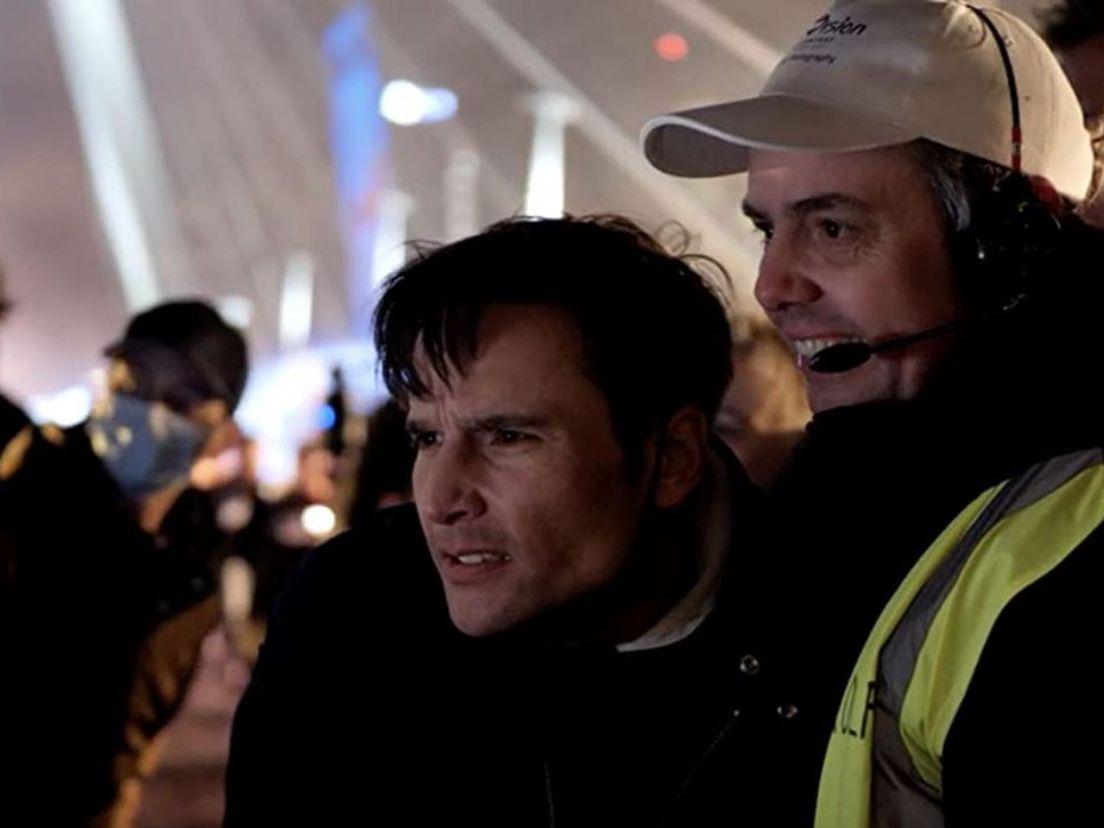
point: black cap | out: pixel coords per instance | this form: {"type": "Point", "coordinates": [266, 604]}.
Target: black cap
{"type": "Point", "coordinates": [184, 349]}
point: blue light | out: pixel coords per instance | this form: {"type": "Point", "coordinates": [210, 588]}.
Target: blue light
{"type": "Point", "coordinates": [359, 143]}
{"type": "Point", "coordinates": [326, 417]}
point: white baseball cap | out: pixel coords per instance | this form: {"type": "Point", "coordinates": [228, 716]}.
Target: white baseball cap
{"type": "Point", "coordinates": [875, 73]}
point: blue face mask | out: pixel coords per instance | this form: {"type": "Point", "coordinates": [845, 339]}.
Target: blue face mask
{"type": "Point", "coordinates": [144, 445]}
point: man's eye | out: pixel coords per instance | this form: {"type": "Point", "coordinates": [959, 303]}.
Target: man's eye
{"type": "Point", "coordinates": [765, 231]}
{"type": "Point", "coordinates": [833, 230]}
{"type": "Point", "coordinates": [508, 437]}
{"type": "Point", "coordinates": [423, 439]}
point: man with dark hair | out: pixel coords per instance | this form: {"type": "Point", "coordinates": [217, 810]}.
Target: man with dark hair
{"type": "Point", "coordinates": [935, 591]}
{"type": "Point", "coordinates": [1071, 22]}
{"type": "Point", "coordinates": [107, 574]}
{"type": "Point", "coordinates": [544, 636]}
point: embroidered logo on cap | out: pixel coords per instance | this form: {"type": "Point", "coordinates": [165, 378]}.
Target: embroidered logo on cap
{"type": "Point", "coordinates": [826, 25]}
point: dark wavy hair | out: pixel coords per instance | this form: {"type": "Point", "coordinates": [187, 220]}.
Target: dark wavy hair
{"type": "Point", "coordinates": [1071, 22]}
{"type": "Point", "coordinates": [654, 329]}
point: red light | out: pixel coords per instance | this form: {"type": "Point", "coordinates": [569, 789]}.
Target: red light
{"type": "Point", "coordinates": [671, 46]}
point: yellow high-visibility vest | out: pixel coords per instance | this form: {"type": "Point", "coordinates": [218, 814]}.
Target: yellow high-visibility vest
{"type": "Point", "coordinates": [884, 765]}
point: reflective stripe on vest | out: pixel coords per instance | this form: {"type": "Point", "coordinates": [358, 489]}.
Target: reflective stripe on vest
{"type": "Point", "coordinates": [884, 762]}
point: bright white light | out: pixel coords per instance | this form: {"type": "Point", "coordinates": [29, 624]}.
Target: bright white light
{"type": "Point", "coordinates": [544, 190]}
{"type": "Point", "coordinates": [122, 222]}
{"type": "Point", "coordinates": [388, 250]}
{"type": "Point", "coordinates": [236, 310]}
{"type": "Point", "coordinates": [318, 520]}
{"type": "Point", "coordinates": [277, 466]}
{"type": "Point", "coordinates": [282, 392]}
{"type": "Point", "coordinates": [405, 103]}
{"type": "Point", "coordinates": [461, 191]}
{"type": "Point", "coordinates": [296, 301]}
{"type": "Point", "coordinates": [66, 408]}
{"type": "Point", "coordinates": [119, 138]}
{"type": "Point", "coordinates": [279, 408]}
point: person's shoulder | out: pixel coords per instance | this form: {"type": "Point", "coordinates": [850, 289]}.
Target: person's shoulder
{"type": "Point", "coordinates": [35, 458]}
{"type": "Point", "coordinates": [383, 565]}
{"type": "Point", "coordinates": [12, 418]}
{"type": "Point", "coordinates": [16, 433]}
{"type": "Point", "coordinates": [748, 504]}
{"type": "Point", "coordinates": [1060, 609]}
{"type": "Point", "coordinates": [1018, 744]}
{"type": "Point", "coordinates": [389, 540]}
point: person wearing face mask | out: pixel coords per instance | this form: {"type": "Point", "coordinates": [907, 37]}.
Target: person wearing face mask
{"type": "Point", "coordinates": [109, 570]}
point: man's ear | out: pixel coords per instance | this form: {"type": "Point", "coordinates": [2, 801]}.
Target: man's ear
{"type": "Point", "coordinates": [683, 445]}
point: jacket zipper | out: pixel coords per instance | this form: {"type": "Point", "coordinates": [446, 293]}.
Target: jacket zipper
{"type": "Point", "coordinates": [703, 759]}
{"type": "Point", "coordinates": [548, 795]}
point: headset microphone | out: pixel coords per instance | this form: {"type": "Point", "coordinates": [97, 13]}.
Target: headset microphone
{"type": "Point", "coordinates": [836, 359]}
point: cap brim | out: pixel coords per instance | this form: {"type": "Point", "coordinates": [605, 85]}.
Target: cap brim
{"type": "Point", "coordinates": [714, 140]}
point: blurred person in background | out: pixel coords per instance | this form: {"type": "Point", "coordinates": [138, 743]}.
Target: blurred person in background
{"type": "Point", "coordinates": [764, 411]}
{"type": "Point", "coordinates": [1075, 30]}
{"type": "Point", "coordinates": [278, 534]}
{"type": "Point", "coordinates": [383, 475]}
{"type": "Point", "coordinates": [336, 407]}
{"type": "Point", "coordinates": [110, 562]}
{"type": "Point", "coordinates": [338, 484]}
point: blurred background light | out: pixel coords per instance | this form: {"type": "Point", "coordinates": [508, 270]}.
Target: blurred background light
{"type": "Point", "coordinates": [671, 46]}
{"type": "Point", "coordinates": [405, 103]}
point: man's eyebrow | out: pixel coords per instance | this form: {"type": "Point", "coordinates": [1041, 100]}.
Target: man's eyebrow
{"type": "Point", "coordinates": [486, 423]}
{"type": "Point", "coordinates": [415, 426]}
{"type": "Point", "coordinates": [812, 204]}
{"type": "Point", "coordinates": [825, 201]}
{"type": "Point", "coordinates": [753, 212]}
{"type": "Point", "coordinates": [505, 422]}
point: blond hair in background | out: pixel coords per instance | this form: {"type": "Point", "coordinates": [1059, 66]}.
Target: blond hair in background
{"type": "Point", "coordinates": [764, 411]}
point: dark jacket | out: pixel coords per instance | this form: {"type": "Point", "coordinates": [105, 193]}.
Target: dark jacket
{"type": "Point", "coordinates": [367, 704]}
{"type": "Point", "coordinates": [83, 588]}
{"type": "Point", "coordinates": [871, 489]}
{"type": "Point", "coordinates": [342, 686]}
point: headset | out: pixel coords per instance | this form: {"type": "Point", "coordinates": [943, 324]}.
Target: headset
{"type": "Point", "coordinates": [1012, 234]}
{"type": "Point", "coordinates": [1011, 237]}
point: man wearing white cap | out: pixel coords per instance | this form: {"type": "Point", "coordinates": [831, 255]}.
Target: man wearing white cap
{"type": "Point", "coordinates": [913, 168]}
